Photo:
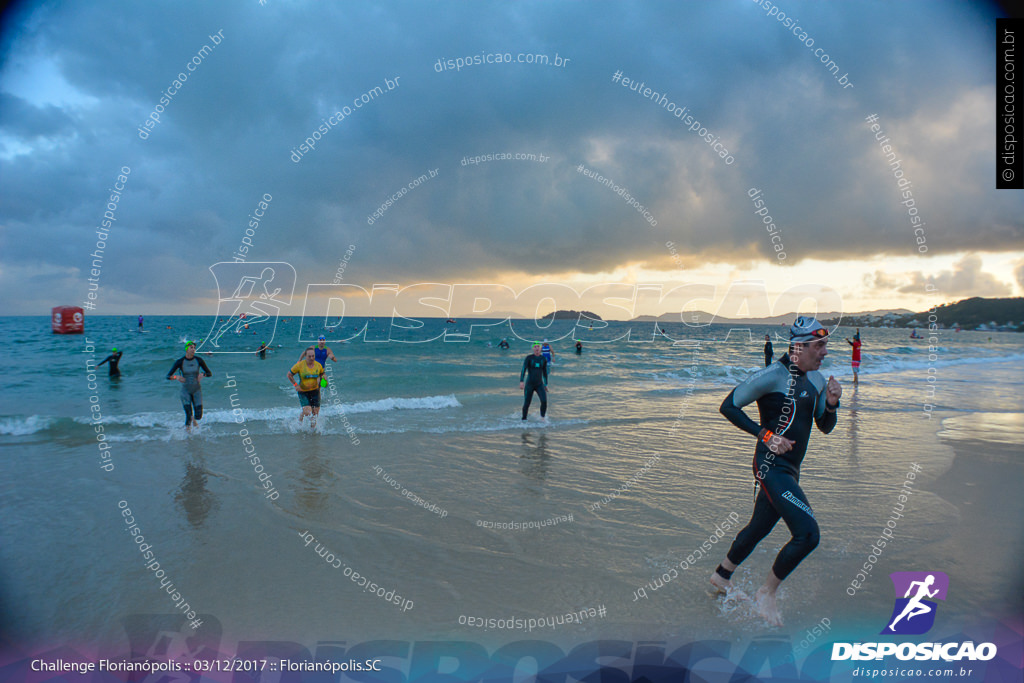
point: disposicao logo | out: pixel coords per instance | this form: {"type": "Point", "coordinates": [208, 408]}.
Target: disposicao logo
{"type": "Point", "coordinates": [913, 614]}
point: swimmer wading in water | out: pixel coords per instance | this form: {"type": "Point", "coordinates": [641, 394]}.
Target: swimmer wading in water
{"type": "Point", "coordinates": [535, 371]}
{"type": "Point", "coordinates": [191, 393]}
{"type": "Point", "coordinates": [113, 359]}
{"type": "Point", "coordinates": [311, 378]}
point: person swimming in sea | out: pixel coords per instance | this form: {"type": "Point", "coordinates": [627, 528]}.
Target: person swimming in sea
{"type": "Point", "coordinates": [114, 358]}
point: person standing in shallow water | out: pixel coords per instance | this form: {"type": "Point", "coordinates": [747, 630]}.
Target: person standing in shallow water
{"type": "Point", "coordinates": [321, 352]}
{"type": "Point", "coordinates": [855, 355]}
{"type": "Point", "coordinates": [537, 381]}
{"type": "Point", "coordinates": [548, 352]}
{"type": "Point", "coordinates": [113, 359]}
{"type": "Point", "coordinates": [791, 395]}
{"type": "Point", "coordinates": [768, 351]}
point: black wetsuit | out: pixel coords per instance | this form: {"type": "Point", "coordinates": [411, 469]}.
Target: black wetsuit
{"type": "Point", "coordinates": [789, 402]}
{"type": "Point", "coordinates": [113, 359]}
{"type": "Point", "coordinates": [191, 393]}
{"type": "Point", "coordinates": [579, 348]}
{"type": "Point", "coordinates": [768, 353]}
{"type": "Point", "coordinates": [537, 367]}
{"type": "Point", "coordinates": [262, 351]}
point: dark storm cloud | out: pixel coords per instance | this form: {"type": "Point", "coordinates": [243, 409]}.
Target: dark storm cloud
{"type": "Point", "coordinates": [20, 119]}
{"type": "Point", "coordinates": [226, 136]}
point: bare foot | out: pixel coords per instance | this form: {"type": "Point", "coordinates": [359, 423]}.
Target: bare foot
{"type": "Point", "coordinates": [720, 584]}
{"type": "Point", "coordinates": [766, 607]}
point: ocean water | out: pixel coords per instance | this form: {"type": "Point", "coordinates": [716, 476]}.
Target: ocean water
{"type": "Point", "coordinates": [420, 469]}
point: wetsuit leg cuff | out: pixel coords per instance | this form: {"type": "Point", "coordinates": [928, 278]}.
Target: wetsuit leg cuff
{"type": "Point", "coordinates": [724, 573]}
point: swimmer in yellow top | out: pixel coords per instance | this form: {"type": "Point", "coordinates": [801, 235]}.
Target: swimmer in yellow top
{"type": "Point", "coordinates": [310, 380]}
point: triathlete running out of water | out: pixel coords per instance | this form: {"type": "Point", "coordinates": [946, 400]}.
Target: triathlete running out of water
{"type": "Point", "coordinates": [191, 392]}
{"type": "Point", "coordinates": [768, 351]}
{"type": "Point", "coordinates": [262, 351]}
{"type": "Point", "coordinates": [114, 358]}
{"type": "Point", "coordinates": [535, 370]}
{"type": "Point", "coordinates": [791, 395]}
{"type": "Point", "coordinates": [855, 355]}
{"type": "Point", "coordinates": [321, 352]}
{"type": "Point", "coordinates": [503, 344]}
{"type": "Point", "coordinates": [549, 355]}
{"type": "Point", "coordinates": [579, 347]}
{"type": "Point", "coordinates": [310, 374]}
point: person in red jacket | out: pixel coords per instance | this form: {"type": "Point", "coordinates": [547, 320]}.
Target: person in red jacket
{"type": "Point", "coordinates": [855, 360]}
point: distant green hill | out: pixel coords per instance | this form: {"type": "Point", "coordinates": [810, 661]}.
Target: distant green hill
{"type": "Point", "coordinates": [571, 315]}
{"type": "Point", "coordinates": [970, 314]}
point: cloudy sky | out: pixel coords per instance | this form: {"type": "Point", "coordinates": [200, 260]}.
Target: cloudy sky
{"type": "Point", "coordinates": [79, 80]}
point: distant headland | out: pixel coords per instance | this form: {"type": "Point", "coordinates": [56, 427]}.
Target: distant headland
{"type": "Point", "coordinates": [571, 315]}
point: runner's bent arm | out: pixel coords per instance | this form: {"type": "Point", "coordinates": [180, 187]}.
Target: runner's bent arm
{"type": "Point", "coordinates": [175, 367]}
{"type": "Point", "coordinates": [746, 393]}
{"type": "Point", "coordinates": [202, 364]}
{"type": "Point", "coordinates": [825, 416]}
{"type": "Point", "coordinates": [734, 414]}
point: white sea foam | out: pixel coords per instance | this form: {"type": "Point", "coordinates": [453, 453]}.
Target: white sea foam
{"type": "Point", "coordinates": [173, 419]}
{"type": "Point", "coordinates": [22, 426]}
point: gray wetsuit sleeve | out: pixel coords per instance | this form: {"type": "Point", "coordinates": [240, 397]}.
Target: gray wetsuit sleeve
{"type": "Point", "coordinates": [754, 387]}
{"type": "Point", "coordinates": [736, 415]}
{"type": "Point", "coordinates": [175, 367]}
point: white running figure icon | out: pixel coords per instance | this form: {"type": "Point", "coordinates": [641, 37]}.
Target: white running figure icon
{"type": "Point", "coordinates": [256, 308]}
{"type": "Point", "coordinates": [915, 606]}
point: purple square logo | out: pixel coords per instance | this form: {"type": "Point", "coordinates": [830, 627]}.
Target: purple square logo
{"type": "Point", "coordinates": [916, 593]}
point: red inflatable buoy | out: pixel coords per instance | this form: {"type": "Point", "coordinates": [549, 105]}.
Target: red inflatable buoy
{"type": "Point", "coordinates": [67, 320]}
